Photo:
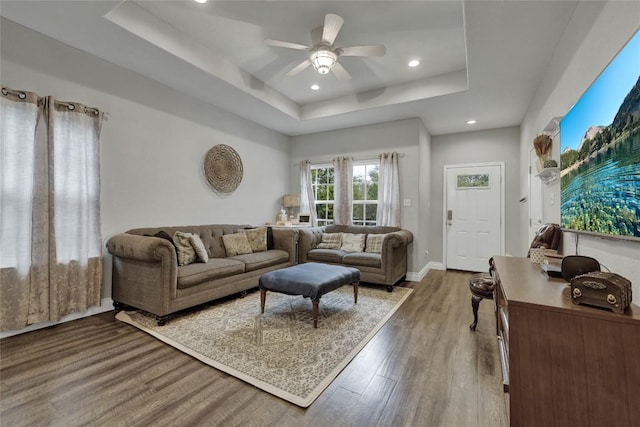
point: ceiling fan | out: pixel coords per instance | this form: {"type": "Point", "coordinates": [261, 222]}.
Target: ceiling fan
{"type": "Point", "coordinates": [324, 55]}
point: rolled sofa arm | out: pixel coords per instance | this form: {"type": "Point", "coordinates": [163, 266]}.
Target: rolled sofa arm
{"type": "Point", "coordinates": [309, 239]}
{"type": "Point", "coordinates": [399, 238]}
{"type": "Point", "coordinates": [286, 240]}
{"type": "Point", "coordinates": [142, 248]}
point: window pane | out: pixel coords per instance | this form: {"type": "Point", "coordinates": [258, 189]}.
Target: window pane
{"type": "Point", "coordinates": [322, 176]}
{"type": "Point", "coordinates": [330, 212]}
{"type": "Point", "coordinates": [358, 189]}
{"type": "Point", "coordinates": [372, 191]}
{"type": "Point", "coordinates": [357, 212]}
{"type": "Point", "coordinates": [321, 193]}
{"type": "Point", "coordinates": [330, 193]}
{"type": "Point", "coordinates": [371, 210]}
{"type": "Point", "coordinates": [329, 172]}
{"type": "Point", "coordinates": [321, 210]}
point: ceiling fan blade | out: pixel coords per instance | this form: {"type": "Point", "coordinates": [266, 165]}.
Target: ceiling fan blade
{"type": "Point", "coordinates": [298, 68]}
{"type": "Point", "coordinates": [289, 45]}
{"type": "Point", "coordinates": [376, 50]}
{"type": "Point", "coordinates": [316, 36]}
{"type": "Point", "coordinates": [332, 25]}
{"type": "Point", "coordinates": [340, 73]}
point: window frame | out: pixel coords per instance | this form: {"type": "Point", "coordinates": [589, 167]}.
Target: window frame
{"type": "Point", "coordinates": [324, 208]}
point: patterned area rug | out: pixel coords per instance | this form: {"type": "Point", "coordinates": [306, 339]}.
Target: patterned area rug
{"type": "Point", "coordinates": [279, 351]}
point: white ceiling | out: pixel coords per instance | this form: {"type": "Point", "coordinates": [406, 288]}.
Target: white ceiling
{"type": "Point", "coordinates": [480, 60]}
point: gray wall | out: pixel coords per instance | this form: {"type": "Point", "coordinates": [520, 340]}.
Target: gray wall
{"type": "Point", "coordinates": [366, 142]}
{"type": "Point", "coordinates": [154, 141]}
{"type": "Point", "coordinates": [476, 147]}
{"type": "Point", "coordinates": [594, 36]}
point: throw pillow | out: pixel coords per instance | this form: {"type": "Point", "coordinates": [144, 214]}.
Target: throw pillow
{"type": "Point", "coordinates": [257, 238]}
{"type": "Point", "coordinates": [236, 244]}
{"type": "Point", "coordinates": [374, 243]}
{"type": "Point", "coordinates": [353, 242]}
{"type": "Point", "coordinates": [186, 253]}
{"type": "Point", "coordinates": [163, 235]}
{"type": "Point", "coordinates": [198, 246]}
{"type": "Point", "coordinates": [330, 241]}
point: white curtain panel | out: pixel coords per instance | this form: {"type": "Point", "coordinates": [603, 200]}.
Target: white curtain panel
{"type": "Point", "coordinates": [307, 199]}
{"type": "Point", "coordinates": [388, 191]}
{"type": "Point", "coordinates": [50, 243]}
{"type": "Point", "coordinates": [343, 191]}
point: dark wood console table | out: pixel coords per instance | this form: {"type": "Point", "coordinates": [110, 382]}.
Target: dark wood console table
{"type": "Point", "coordinates": [564, 364]}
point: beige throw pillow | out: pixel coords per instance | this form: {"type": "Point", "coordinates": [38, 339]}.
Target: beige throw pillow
{"type": "Point", "coordinates": [257, 238]}
{"type": "Point", "coordinates": [374, 243]}
{"type": "Point", "coordinates": [330, 241]}
{"type": "Point", "coordinates": [198, 246]}
{"type": "Point", "coordinates": [236, 244]}
{"type": "Point", "coordinates": [184, 249]}
{"type": "Point", "coordinates": [353, 242]}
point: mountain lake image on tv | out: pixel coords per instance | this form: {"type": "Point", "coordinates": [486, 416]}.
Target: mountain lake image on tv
{"type": "Point", "coordinates": [600, 152]}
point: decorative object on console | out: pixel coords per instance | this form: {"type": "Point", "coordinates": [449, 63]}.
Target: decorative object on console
{"type": "Point", "coordinates": [542, 144]}
{"type": "Point", "coordinates": [223, 168]}
{"type": "Point", "coordinates": [289, 202]}
{"type": "Point", "coordinates": [575, 265]}
{"type": "Point", "coordinates": [601, 289]}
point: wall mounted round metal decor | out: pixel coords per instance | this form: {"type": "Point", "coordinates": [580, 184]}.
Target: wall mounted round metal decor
{"type": "Point", "coordinates": [223, 168]}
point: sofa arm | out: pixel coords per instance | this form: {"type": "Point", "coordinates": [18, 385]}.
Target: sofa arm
{"type": "Point", "coordinates": [309, 239]}
{"type": "Point", "coordinates": [398, 238]}
{"type": "Point", "coordinates": [142, 248]}
{"type": "Point", "coordinates": [286, 239]}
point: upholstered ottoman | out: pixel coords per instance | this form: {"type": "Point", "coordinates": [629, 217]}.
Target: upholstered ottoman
{"type": "Point", "coordinates": [311, 280]}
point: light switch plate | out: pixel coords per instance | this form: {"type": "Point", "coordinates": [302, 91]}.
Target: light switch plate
{"type": "Point", "coordinates": [406, 202]}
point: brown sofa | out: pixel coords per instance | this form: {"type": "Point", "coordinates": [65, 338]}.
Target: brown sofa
{"type": "Point", "coordinates": [385, 268]}
{"type": "Point", "coordinates": [146, 274]}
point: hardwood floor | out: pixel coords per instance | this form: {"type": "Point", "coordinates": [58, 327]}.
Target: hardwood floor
{"type": "Point", "coordinates": [423, 368]}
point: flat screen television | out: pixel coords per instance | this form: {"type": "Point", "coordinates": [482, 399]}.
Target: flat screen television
{"type": "Point", "coordinates": [600, 152]}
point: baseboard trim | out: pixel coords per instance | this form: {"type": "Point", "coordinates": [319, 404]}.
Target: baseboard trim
{"type": "Point", "coordinates": [417, 277]}
{"type": "Point", "coordinates": [105, 305]}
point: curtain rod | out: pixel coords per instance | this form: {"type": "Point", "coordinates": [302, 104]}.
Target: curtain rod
{"type": "Point", "coordinates": [355, 159]}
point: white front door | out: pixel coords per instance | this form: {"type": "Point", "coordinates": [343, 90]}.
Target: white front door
{"type": "Point", "coordinates": [474, 229]}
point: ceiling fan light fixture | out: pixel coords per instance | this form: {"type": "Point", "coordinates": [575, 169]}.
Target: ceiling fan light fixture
{"type": "Point", "coordinates": [322, 60]}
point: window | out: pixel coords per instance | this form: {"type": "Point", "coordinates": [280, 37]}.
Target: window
{"type": "Point", "coordinates": [365, 192]}
{"type": "Point", "coordinates": [322, 184]}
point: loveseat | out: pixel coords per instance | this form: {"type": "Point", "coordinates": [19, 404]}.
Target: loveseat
{"type": "Point", "coordinates": [381, 256]}
{"type": "Point", "coordinates": [147, 273]}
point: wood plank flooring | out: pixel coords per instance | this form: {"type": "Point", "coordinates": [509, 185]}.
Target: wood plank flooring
{"type": "Point", "coordinates": [423, 368]}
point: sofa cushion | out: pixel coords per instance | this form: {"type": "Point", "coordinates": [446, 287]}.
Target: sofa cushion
{"type": "Point", "coordinates": [326, 255]}
{"type": "Point", "coordinates": [215, 268]}
{"type": "Point", "coordinates": [184, 249]}
{"type": "Point", "coordinates": [264, 259]}
{"type": "Point", "coordinates": [257, 238]}
{"type": "Point", "coordinates": [374, 243]}
{"type": "Point", "coordinates": [352, 242]}
{"type": "Point", "coordinates": [198, 246]}
{"type": "Point", "coordinates": [362, 258]}
{"type": "Point", "coordinates": [236, 244]}
{"type": "Point", "coordinates": [330, 241]}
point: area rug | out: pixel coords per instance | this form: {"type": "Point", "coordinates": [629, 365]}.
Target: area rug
{"type": "Point", "coordinates": [279, 351]}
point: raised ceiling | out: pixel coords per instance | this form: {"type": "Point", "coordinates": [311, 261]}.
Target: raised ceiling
{"type": "Point", "coordinates": [480, 60]}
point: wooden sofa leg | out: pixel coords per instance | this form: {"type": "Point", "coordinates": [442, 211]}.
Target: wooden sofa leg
{"type": "Point", "coordinates": [389, 288]}
{"type": "Point", "coordinates": [475, 304]}
{"type": "Point", "coordinates": [162, 320]}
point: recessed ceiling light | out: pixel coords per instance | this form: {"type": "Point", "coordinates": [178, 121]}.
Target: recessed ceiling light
{"type": "Point", "coordinates": [315, 87]}
{"type": "Point", "coordinates": [471, 122]}
{"type": "Point", "coordinates": [414, 63]}
{"type": "Point", "coordinates": [201, 1]}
